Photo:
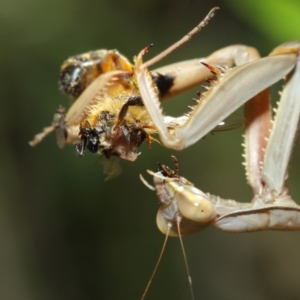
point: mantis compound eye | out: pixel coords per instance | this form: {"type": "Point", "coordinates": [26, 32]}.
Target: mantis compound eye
{"type": "Point", "coordinates": [194, 205]}
{"type": "Point", "coordinates": [183, 207]}
{"type": "Point", "coordinates": [189, 207]}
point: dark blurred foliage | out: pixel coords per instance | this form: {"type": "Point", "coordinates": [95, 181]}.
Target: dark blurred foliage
{"type": "Point", "coordinates": [67, 234]}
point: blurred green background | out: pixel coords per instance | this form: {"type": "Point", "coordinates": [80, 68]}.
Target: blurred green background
{"type": "Point", "coordinates": [67, 234]}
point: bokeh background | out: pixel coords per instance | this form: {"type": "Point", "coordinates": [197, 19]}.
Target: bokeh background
{"type": "Point", "coordinates": [67, 234]}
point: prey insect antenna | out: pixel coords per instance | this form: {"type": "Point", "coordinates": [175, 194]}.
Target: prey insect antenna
{"type": "Point", "coordinates": [185, 258]}
{"type": "Point", "coordinates": [183, 40]}
{"type": "Point", "coordinates": [157, 263]}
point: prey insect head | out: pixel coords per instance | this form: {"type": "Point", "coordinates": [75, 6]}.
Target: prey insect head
{"type": "Point", "coordinates": [79, 71]}
{"type": "Point", "coordinates": [71, 80]}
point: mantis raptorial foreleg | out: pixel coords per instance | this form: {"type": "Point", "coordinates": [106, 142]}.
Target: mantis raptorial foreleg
{"type": "Point", "coordinates": [222, 98]}
{"type": "Point", "coordinates": [272, 207]}
{"type": "Point", "coordinates": [267, 155]}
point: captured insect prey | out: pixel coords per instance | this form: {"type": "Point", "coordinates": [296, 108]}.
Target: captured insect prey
{"type": "Point", "coordinates": [108, 115]}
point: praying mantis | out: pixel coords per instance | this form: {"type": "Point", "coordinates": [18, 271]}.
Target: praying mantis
{"type": "Point", "coordinates": [213, 107]}
{"type": "Point", "coordinates": [185, 209]}
{"type": "Point", "coordinates": [268, 144]}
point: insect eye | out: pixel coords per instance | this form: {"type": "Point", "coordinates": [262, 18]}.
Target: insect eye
{"type": "Point", "coordinates": [71, 80]}
{"type": "Point", "coordinates": [195, 205]}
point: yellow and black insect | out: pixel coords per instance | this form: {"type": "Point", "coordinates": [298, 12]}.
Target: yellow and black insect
{"type": "Point", "coordinates": [108, 115]}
